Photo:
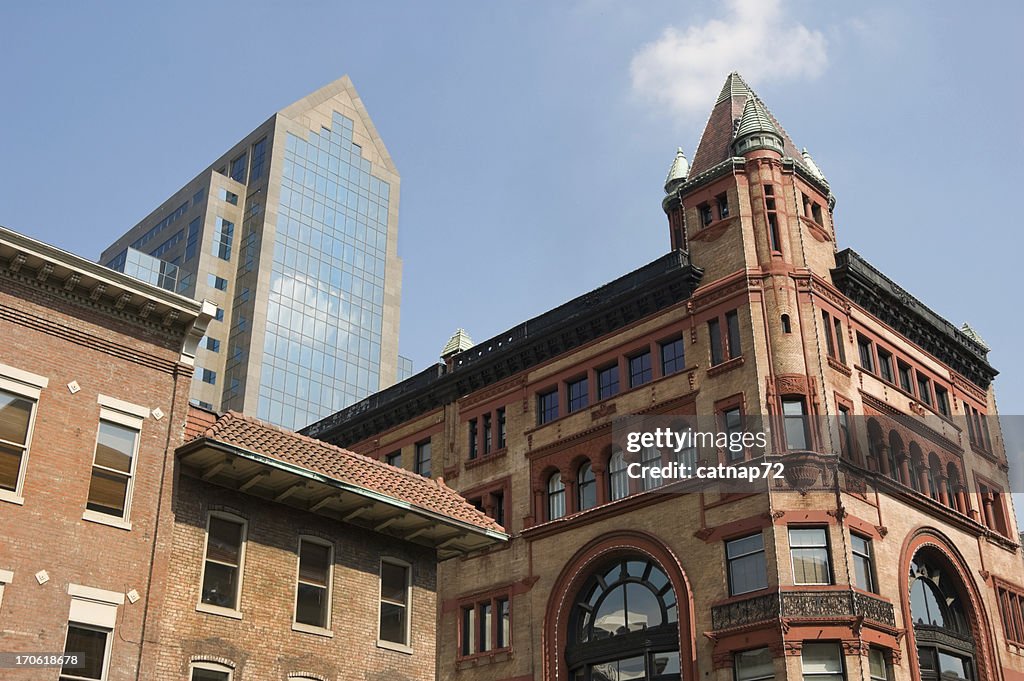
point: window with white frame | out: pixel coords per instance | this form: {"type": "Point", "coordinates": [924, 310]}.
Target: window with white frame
{"type": "Point", "coordinates": [808, 547]}
{"type": "Point", "coordinates": [313, 588]}
{"type": "Point", "coordinates": [91, 621]}
{"type": "Point", "coordinates": [6, 577]}
{"type": "Point", "coordinates": [223, 562]}
{"type": "Point", "coordinates": [210, 671]}
{"type": "Point", "coordinates": [822, 662]}
{"type": "Point", "coordinates": [878, 666]}
{"type": "Point", "coordinates": [114, 460]}
{"type": "Point", "coordinates": [19, 393]}
{"type": "Point", "coordinates": [394, 602]}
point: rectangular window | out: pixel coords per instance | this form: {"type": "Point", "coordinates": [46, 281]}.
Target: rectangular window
{"type": "Point", "coordinates": [578, 394]}
{"type": "Point", "coordinates": [822, 662]}
{"type": "Point", "coordinates": [93, 645]}
{"type": "Point", "coordinates": [16, 417]}
{"type": "Point", "coordinates": [924, 389]}
{"type": "Point", "coordinates": [672, 357]}
{"type": "Point", "coordinates": [113, 469]}
{"type": "Point", "coordinates": [732, 422]}
{"type": "Point", "coordinates": [394, 603]}
{"type": "Point", "coordinates": [198, 197]}
{"type": "Point", "coordinates": [207, 671]}
{"type": "Point", "coordinates": [238, 168]}
{"type": "Point", "coordinates": [192, 239]}
{"type": "Point", "coordinates": [485, 626]}
{"type": "Point", "coordinates": [794, 414]}
{"type": "Point", "coordinates": [705, 214]}
{"type": "Point", "coordinates": [745, 564]}
{"type": "Point", "coordinates": [878, 667]}
{"type": "Point", "coordinates": [863, 563]}
{"type": "Point", "coordinates": [772, 219]}
{"type": "Point", "coordinates": [259, 155]}
{"type": "Point", "coordinates": [753, 665]}
{"type": "Point", "coordinates": [394, 459]}
{"type": "Point", "coordinates": [885, 365]}
{"type": "Point", "coordinates": [942, 400]}
{"type": "Point", "coordinates": [723, 206]}
{"type": "Point", "coordinates": [488, 435]}
{"type": "Point", "coordinates": [816, 213]}
{"type": "Point", "coordinates": [206, 375]}
{"type": "Point", "coordinates": [808, 547]}
{"type": "Point", "coordinates": [216, 282]}
{"type": "Point", "coordinates": [607, 382]}
{"type": "Point", "coordinates": [715, 340]}
{"type": "Point", "coordinates": [313, 588]}
{"type": "Point", "coordinates": [423, 458]}
{"type": "Point", "coordinates": [845, 436]}
{"type": "Point", "coordinates": [864, 349]}
{"type": "Point", "coordinates": [502, 431]}
{"type": "Point", "coordinates": [906, 383]}
{"type": "Point", "coordinates": [834, 344]}
{"type": "Point", "coordinates": [211, 344]}
{"type": "Point", "coordinates": [473, 445]}
{"type": "Point", "coordinates": [1011, 610]}
{"type": "Point", "coordinates": [222, 568]}
{"type": "Point", "coordinates": [223, 236]}
{"type": "Point", "coordinates": [228, 197]}
{"type": "Point", "coordinates": [640, 371]}
{"type": "Point", "coordinates": [547, 406]}
{"type": "Point", "coordinates": [732, 324]}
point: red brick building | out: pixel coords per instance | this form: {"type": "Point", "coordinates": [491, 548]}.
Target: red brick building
{"type": "Point", "coordinates": [887, 551]}
{"type": "Point", "coordinates": [95, 370]}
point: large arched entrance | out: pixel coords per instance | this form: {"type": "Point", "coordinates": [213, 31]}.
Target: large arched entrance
{"type": "Point", "coordinates": [624, 624]}
{"type": "Point", "coordinates": [945, 643]}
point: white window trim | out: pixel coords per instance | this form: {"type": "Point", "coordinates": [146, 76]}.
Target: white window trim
{"type": "Point", "coordinates": [6, 577]}
{"type": "Point", "coordinates": [30, 386]}
{"type": "Point", "coordinates": [391, 645]}
{"type": "Point", "coordinates": [308, 628]}
{"type": "Point", "coordinates": [236, 612]}
{"type": "Point", "coordinates": [108, 631]}
{"type": "Point", "coordinates": [129, 419]}
{"type": "Point", "coordinates": [211, 667]}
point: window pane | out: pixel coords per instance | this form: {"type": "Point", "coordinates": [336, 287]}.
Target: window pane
{"type": "Point", "coordinates": [821, 658]}
{"type": "Point", "coordinates": [746, 545]}
{"type": "Point", "coordinates": [754, 664]}
{"type": "Point", "coordinates": [748, 573]}
{"type": "Point", "coordinates": [807, 537]}
{"type": "Point", "coordinates": [504, 623]}
{"type": "Point", "coordinates": [468, 630]}
{"type": "Point", "coordinates": [224, 541]}
{"type": "Point", "coordinates": [91, 645]}
{"type": "Point", "coordinates": [314, 563]}
{"type": "Point", "coordinates": [311, 605]}
{"type": "Point", "coordinates": [108, 492]}
{"type": "Point", "coordinates": [810, 566]}
{"type": "Point", "coordinates": [115, 446]}
{"type": "Point", "coordinates": [15, 413]}
{"type": "Point", "coordinates": [10, 467]}
{"type": "Point", "coordinates": [392, 622]}
{"type": "Point", "coordinates": [393, 582]}
{"type": "Point", "coordinates": [220, 585]}
{"type": "Point", "coordinates": [876, 664]}
{"type": "Point", "coordinates": [209, 675]}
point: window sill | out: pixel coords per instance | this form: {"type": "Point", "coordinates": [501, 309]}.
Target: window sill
{"type": "Point", "coordinates": [11, 497]}
{"type": "Point", "coordinates": [104, 519]}
{"type": "Point", "coordinates": [396, 647]}
{"type": "Point", "coordinates": [486, 458]}
{"type": "Point", "coordinates": [484, 658]}
{"type": "Point", "coordinates": [727, 365]}
{"type": "Point", "coordinates": [839, 366]}
{"type": "Point", "coordinates": [310, 629]}
{"type": "Point", "coordinates": [218, 610]}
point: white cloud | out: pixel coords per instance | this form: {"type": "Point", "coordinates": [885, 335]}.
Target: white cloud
{"type": "Point", "coordinates": [684, 68]}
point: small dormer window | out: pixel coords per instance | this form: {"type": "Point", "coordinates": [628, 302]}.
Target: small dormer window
{"type": "Point", "coordinates": [705, 214]}
{"type": "Point", "coordinates": [723, 206]}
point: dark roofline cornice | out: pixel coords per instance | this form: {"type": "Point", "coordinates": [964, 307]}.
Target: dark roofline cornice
{"type": "Point", "coordinates": [649, 289]}
{"type": "Point", "coordinates": [887, 300]}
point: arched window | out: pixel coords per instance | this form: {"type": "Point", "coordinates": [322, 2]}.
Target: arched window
{"type": "Point", "coordinates": [586, 488]}
{"type": "Point", "coordinates": [618, 480]}
{"type": "Point", "coordinates": [556, 496]}
{"type": "Point", "coordinates": [625, 625]}
{"type": "Point", "coordinates": [649, 458]}
{"type": "Point", "coordinates": [945, 646]}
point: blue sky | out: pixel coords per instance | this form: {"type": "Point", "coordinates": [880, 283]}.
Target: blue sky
{"type": "Point", "coordinates": [533, 138]}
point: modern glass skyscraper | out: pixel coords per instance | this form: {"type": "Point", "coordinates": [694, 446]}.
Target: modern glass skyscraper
{"type": "Point", "coordinates": [294, 234]}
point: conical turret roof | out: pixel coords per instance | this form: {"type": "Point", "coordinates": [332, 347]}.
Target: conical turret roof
{"type": "Point", "coordinates": [678, 171]}
{"type": "Point", "coordinates": [726, 120]}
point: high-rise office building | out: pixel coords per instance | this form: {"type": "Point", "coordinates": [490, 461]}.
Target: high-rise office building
{"type": "Point", "coordinates": [294, 233]}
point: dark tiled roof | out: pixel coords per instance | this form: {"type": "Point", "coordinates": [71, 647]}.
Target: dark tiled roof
{"type": "Point", "coordinates": [250, 434]}
{"type": "Point", "coordinates": [716, 141]}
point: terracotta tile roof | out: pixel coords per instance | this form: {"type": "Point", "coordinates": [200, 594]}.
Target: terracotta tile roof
{"type": "Point", "coordinates": [244, 432]}
{"type": "Point", "coordinates": [716, 142]}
